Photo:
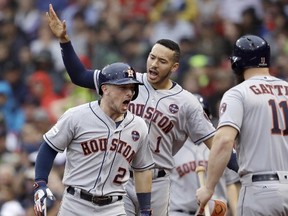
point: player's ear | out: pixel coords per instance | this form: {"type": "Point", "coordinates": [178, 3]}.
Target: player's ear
{"type": "Point", "coordinates": [104, 88]}
{"type": "Point", "coordinates": [175, 67]}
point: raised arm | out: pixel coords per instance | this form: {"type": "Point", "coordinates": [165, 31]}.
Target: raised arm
{"type": "Point", "coordinates": [78, 73]}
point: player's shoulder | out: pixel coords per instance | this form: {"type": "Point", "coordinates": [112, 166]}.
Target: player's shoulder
{"type": "Point", "coordinates": [188, 98]}
{"type": "Point", "coordinates": [136, 121]}
{"type": "Point", "coordinates": [178, 91]}
{"type": "Point", "coordinates": [237, 90]}
{"type": "Point", "coordinates": [135, 118]}
{"type": "Point", "coordinates": [188, 104]}
{"type": "Point", "coordinates": [140, 76]}
{"type": "Point", "coordinates": [80, 109]}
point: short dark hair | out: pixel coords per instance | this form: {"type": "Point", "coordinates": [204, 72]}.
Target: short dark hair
{"type": "Point", "coordinates": [172, 46]}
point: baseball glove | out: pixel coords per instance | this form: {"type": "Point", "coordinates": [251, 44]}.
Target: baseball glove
{"type": "Point", "coordinates": [217, 207]}
{"type": "Point", "coordinates": [41, 193]}
{"type": "Point", "coordinates": [146, 212]}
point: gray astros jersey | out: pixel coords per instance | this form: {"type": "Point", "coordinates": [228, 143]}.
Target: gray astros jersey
{"type": "Point", "coordinates": [93, 144]}
{"type": "Point", "coordinates": [263, 132]}
{"type": "Point", "coordinates": [171, 116]}
{"type": "Point", "coordinates": [183, 193]}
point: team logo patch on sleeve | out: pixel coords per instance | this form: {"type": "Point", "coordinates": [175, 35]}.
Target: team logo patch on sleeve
{"type": "Point", "coordinates": [173, 108]}
{"type": "Point", "coordinates": [55, 130]}
{"type": "Point", "coordinates": [135, 135]}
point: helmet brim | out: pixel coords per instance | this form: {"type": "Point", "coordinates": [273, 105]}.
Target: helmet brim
{"type": "Point", "coordinates": [125, 81]}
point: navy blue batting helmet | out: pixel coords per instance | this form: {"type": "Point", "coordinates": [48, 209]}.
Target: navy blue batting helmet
{"type": "Point", "coordinates": [204, 104]}
{"type": "Point", "coordinates": [118, 74]}
{"type": "Point", "coordinates": [250, 51]}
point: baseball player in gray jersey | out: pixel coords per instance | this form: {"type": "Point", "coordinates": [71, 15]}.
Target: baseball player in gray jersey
{"type": "Point", "coordinates": [255, 113]}
{"type": "Point", "coordinates": [171, 113]}
{"type": "Point", "coordinates": [183, 200]}
{"type": "Point", "coordinates": [103, 142]}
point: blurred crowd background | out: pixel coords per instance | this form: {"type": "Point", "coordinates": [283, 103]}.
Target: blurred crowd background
{"type": "Point", "coordinates": [35, 89]}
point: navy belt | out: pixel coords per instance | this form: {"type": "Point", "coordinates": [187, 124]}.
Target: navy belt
{"type": "Point", "coordinates": [265, 177]}
{"type": "Point", "coordinates": [186, 212]}
{"type": "Point", "coordinates": [98, 200]}
{"type": "Point", "coordinates": [161, 173]}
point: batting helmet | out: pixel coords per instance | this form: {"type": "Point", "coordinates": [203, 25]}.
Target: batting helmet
{"type": "Point", "coordinates": [118, 74]}
{"type": "Point", "coordinates": [250, 51]}
{"type": "Point", "coordinates": [204, 104]}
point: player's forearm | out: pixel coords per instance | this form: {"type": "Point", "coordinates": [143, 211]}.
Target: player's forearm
{"type": "Point", "coordinates": [143, 186]}
{"type": "Point", "coordinates": [143, 181]}
{"type": "Point", "coordinates": [44, 162]}
{"type": "Point", "coordinates": [75, 69]}
{"type": "Point", "coordinates": [232, 195]}
{"type": "Point", "coordinates": [218, 159]}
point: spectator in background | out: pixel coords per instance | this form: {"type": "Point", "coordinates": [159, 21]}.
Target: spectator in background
{"type": "Point", "coordinates": [188, 9]}
{"type": "Point", "coordinates": [3, 134]}
{"type": "Point", "coordinates": [41, 89]}
{"type": "Point", "coordinates": [4, 56]}
{"type": "Point", "coordinates": [31, 136]}
{"type": "Point", "coordinates": [46, 41]}
{"type": "Point", "coordinates": [27, 18]}
{"type": "Point", "coordinates": [135, 8]}
{"type": "Point", "coordinates": [90, 9]}
{"type": "Point", "coordinates": [44, 61]}
{"type": "Point", "coordinates": [13, 36]}
{"type": "Point", "coordinates": [10, 206]}
{"type": "Point", "coordinates": [73, 95]}
{"type": "Point", "coordinates": [12, 73]}
{"type": "Point", "coordinates": [42, 5]}
{"type": "Point", "coordinates": [80, 33]}
{"type": "Point", "coordinates": [135, 52]}
{"type": "Point", "coordinates": [102, 45]}
{"type": "Point", "coordinates": [13, 114]}
{"type": "Point", "coordinates": [187, 47]}
{"type": "Point", "coordinates": [251, 23]}
{"type": "Point", "coordinates": [207, 10]}
{"type": "Point", "coordinates": [26, 62]}
{"type": "Point", "coordinates": [209, 42]}
{"type": "Point", "coordinates": [7, 9]}
{"type": "Point", "coordinates": [232, 9]}
{"type": "Point", "coordinates": [202, 67]}
{"type": "Point", "coordinates": [170, 27]}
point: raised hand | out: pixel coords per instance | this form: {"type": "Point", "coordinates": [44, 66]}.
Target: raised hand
{"type": "Point", "coordinates": [57, 26]}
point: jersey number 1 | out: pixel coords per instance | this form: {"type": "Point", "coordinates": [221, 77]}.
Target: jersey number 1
{"type": "Point", "coordinates": [157, 150]}
{"type": "Point", "coordinates": [276, 129]}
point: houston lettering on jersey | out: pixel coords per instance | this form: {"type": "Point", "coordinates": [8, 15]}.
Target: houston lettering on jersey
{"type": "Point", "coordinates": [100, 145]}
{"type": "Point", "coordinates": [189, 167]}
{"type": "Point", "coordinates": [154, 115]}
{"type": "Point", "coordinates": [269, 89]}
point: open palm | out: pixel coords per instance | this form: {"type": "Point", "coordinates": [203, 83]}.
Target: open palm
{"type": "Point", "coordinates": [56, 25]}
